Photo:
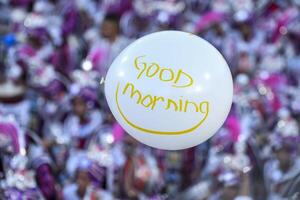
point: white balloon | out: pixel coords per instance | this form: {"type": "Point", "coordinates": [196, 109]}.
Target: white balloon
{"type": "Point", "coordinates": [170, 90]}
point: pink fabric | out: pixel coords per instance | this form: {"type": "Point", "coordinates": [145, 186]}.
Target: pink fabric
{"type": "Point", "coordinates": [96, 57]}
{"type": "Point", "coordinates": [27, 51]}
{"type": "Point", "coordinates": [233, 125]}
{"type": "Point", "coordinates": [288, 16]}
{"type": "Point", "coordinates": [208, 19]}
{"type": "Point", "coordinates": [118, 132]}
{"type": "Point", "coordinates": [275, 80]}
{"type": "Point", "coordinates": [276, 104]}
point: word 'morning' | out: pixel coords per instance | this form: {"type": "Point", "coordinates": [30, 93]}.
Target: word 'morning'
{"type": "Point", "coordinates": [151, 101]}
{"type": "Point", "coordinates": [179, 79]}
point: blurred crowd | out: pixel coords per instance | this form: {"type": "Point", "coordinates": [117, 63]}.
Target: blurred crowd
{"type": "Point", "coordinates": [58, 139]}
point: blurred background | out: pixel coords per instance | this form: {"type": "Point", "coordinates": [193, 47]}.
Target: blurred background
{"type": "Point", "coordinates": [58, 139]}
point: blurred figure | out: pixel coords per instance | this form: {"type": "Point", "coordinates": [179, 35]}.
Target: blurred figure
{"type": "Point", "coordinates": [107, 45]}
{"type": "Point", "coordinates": [234, 186]}
{"type": "Point", "coordinates": [140, 174]}
{"type": "Point", "coordinates": [83, 188]}
{"type": "Point", "coordinates": [13, 91]}
{"type": "Point", "coordinates": [27, 167]}
{"type": "Point", "coordinates": [283, 171]}
{"type": "Point", "coordinates": [85, 118]}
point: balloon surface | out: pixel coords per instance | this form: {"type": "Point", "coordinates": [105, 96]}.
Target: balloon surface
{"type": "Point", "coordinates": [170, 90]}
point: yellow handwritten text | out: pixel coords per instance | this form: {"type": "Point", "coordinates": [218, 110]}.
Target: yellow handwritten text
{"type": "Point", "coordinates": [179, 79]}
{"type": "Point", "coordinates": [151, 101]}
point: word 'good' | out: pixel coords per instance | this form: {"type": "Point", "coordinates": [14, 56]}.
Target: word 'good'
{"type": "Point", "coordinates": [180, 79]}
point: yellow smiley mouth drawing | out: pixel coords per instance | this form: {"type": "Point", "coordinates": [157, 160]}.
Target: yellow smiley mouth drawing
{"type": "Point", "coordinates": [159, 132]}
